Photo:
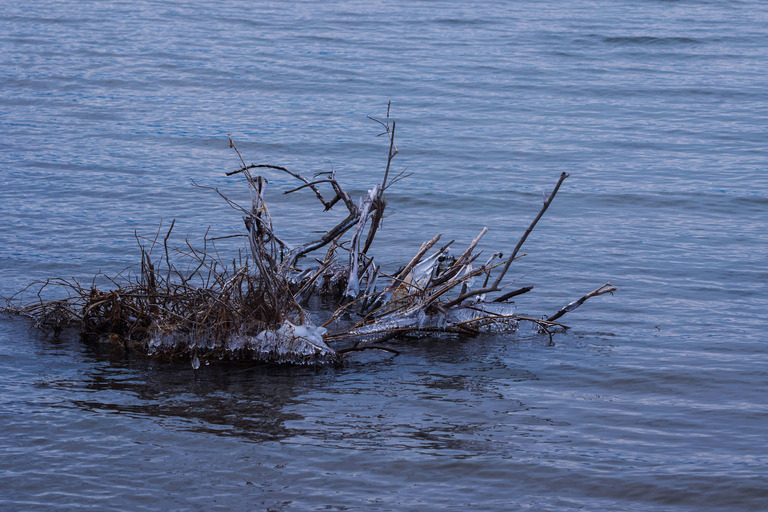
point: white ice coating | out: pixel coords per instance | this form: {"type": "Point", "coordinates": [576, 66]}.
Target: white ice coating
{"type": "Point", "coordinates": [484, 316]}
{"type": "Point", "coordinates": [289, 343]}
{"type": "Point", "coordinates": [470, 283]}
{"type": "Point", "coordinates": [423, 271]}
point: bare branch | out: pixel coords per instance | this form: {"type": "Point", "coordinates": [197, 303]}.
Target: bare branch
{"type": "Point", "coordinates": [606, 288]}
{"type": "Point", "coordinates": [515, 293]}
{"type": "Point", "coordinates": [544, 207]}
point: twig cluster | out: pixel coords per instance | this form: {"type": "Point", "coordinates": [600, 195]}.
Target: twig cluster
{"type": "Point", "coordinates": [253, 306]}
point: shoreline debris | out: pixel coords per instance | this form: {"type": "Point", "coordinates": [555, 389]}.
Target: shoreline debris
{"type": "Point", "coordinates": [253, 308]}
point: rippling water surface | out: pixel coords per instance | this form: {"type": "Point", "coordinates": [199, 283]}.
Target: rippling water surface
{"type": "Point", "coordinates": [655, 400]}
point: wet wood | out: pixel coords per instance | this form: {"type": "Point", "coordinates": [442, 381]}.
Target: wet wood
{"type": "Point", "coordinates": [253, 306]}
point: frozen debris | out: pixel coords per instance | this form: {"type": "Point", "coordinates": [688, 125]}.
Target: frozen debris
{"type": "Point", "coordinates": [466, 319]}
{"type": "Point", "coordinates": [252, 307]}
{"type": "Point", "coordinates": [296, 344]}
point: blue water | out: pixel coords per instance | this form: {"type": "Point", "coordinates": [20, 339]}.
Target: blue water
{"type": "Point", "coordinates": [656, 398]}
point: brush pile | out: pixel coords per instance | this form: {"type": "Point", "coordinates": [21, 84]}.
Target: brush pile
{"type": "Point", "coordinates": [254, 307]}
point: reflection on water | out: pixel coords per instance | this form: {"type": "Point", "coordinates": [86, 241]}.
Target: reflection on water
{"type": "Point", "coordinates": [262, 403]}
{"type": "Point", "coordinates": [499, 413]}
{"type": "Point", "coordinates": [223, 399]}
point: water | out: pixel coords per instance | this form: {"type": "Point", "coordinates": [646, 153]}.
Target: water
{"type": "Point", "coordinates": [655, 400]}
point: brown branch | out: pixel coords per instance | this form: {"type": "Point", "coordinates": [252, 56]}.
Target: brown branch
{"type": "Point", "coordinates": [606, 288]}
{"type": "Point", "coordinates": [392, 152]}
{"type": "Point", "coordinates": [544, 207]}
{"type": "Point", "coordinates": [414, 261]}
{"type": "Point", "coordinates": [460, 263]}
{"type": "Point", "coordinates": [473, 293]}
{"type": "Point", "coordinates": [347, 350]}
{"type": "Point", "coordinates": [332, 234]}
{"type": "Point", "coordinates": [513, 293]}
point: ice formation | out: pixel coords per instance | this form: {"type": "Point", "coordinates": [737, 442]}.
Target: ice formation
{"type": "Point", "coordinates": [290, 343]}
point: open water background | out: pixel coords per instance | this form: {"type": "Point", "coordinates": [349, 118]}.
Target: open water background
{"type": "Point", "coordinates": [655, 400]}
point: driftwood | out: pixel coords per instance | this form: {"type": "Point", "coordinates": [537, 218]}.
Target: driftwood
{"type": "Point", "coordinates": [254, 306]}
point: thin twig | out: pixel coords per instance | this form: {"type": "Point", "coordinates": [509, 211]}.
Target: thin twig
{"type": "Point", "coordinates": [544, 207]}
{"type": "Point", "coordinates": [606, 288]}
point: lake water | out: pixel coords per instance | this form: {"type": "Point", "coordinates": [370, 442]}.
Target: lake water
{"type": "Point", "coordinates": [657, 397]}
